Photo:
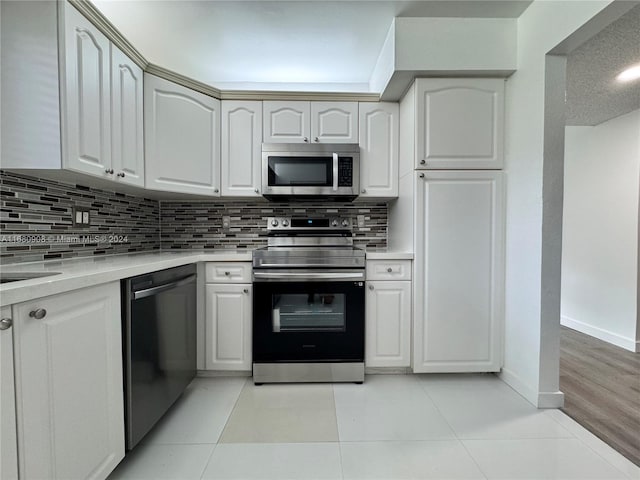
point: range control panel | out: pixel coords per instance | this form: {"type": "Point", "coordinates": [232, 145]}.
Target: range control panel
{"type": "Point", "coordinates": [311, 224]}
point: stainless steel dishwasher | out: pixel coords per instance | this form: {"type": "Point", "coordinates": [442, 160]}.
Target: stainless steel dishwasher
{"type": "Point", "coordinates": [159, 327]}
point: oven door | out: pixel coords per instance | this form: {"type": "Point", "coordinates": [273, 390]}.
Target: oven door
{"type": "Point", "coordinates": [315, 320]}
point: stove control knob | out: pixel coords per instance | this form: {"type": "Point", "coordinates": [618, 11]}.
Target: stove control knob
{"type": "Point", "coordinates": [274, 222]}
{"type": "Point", "coordinates": [345, 223]}
{"type": "Point", "coordinates": [285, 222]}
{"type": "Point", "coordinates": [334, 223]}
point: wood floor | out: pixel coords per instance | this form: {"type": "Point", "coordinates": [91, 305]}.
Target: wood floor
{"type": "Point", "coordinates": [601, 383]}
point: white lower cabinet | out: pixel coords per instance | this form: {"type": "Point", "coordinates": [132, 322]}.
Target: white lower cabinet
{"type": "Point", "coordinates": [228, 316]}
{"type": "Point", "coordinates": [69, 391]}
{"type": "Point", "coordinates": [388, 313]}
{"type": "Point", "coordinates": [8, 437]}
{"type": "Point", "coordinates": [458, 272]}
{"type": "Point", "coordinates": [388, 324]}
{"type": "Point", "coordinates": [228, 326]}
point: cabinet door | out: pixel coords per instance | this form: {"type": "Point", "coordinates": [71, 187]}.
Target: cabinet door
{"type": "Point", "coordinates": [182, 138]}
{"type": "Point", "coordinates": [388, 324]}
{"type": "Point", "coordinates": [334, 122]}
{"type": "Point", "coordinates": [458, 275]}
{"type": "Point", "coordinates": [86, 96]}
{"type": "Point", "coordinates": [8, 437]}
{"type": "Point", "coordinates": [379, 136]}
{"type": "Point", "coordinates": [241, 148]}
{"type": "Point", "coordinates": [228, 327]}
{"type": "Point", "coordinates": [127, 133]}
{"type": "Point", "coordinates": [286, 122]}
{"type": "Point", "coordinates": [70, 393]}
{"type": "Point", "coordinates": [460, 123]}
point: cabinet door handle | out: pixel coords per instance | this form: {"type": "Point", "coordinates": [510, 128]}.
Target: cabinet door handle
{"type": "Point", "coordinates": [257, 190]}
{"type": "Point", "coordinates": [423, 162]}
{"type": "Point", "coordinates": [389, 269]}
{"type": "Point", "coordinates": [121, 174]}
{"type": "Point", "coordinates": [370, 287]}
{"type": "Point", "coordinates": [6, 323]}
{"type": "Point", "coordinates": [305, 139]}
{"type": "Point", "coordinates": [215, 190]}
{"type": "Point", "coordinates": [109, 171]}
{"type": "Point", "coordinates": [227, 273]}
{"type": "Point", "coordinates": [246, 290]}
{"type": "Point", "coordinates": [38, 313]}
{"type": "Point", "coordinates": [421, 175]}
{"type": "Point", "coordinates": [364, 190]}
{"type": "Point", "coordinates": [317, 139]}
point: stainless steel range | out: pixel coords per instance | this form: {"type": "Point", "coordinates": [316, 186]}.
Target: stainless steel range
{"type": "Point", "coordinates": [308, 303]}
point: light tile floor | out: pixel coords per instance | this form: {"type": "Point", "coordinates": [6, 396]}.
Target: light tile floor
{"type": "Point", "coordinates": [391, 427]}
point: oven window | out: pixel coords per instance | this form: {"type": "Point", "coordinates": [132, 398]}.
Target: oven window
{"type": "Point", "coordinates": [313, 312]}
{"type": "Point", "coordinates": [305, 171]}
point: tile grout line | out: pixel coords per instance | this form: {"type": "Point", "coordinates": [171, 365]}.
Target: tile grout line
{"type": "Point", "coordinates": [460, 441]}
{"type": "Point", "coordinates": [335, 411]}
{"type": "Point", "coordinates": [235, 404]}
{"type": "Point", "coordinates": [588, 444]}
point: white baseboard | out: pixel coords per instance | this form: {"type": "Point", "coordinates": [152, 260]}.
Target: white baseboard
{"type": "Point", "coordinates": [605, 335]}
{"type": "Point", "coordinates": [550, 399]}
{"type": "Point", "coordinates": [515, 382]}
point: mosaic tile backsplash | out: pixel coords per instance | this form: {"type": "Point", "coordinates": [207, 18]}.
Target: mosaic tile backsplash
{"type": "Point", "coordinates": [199, 225]}
{"type": "Point", "coordinates": [36, 221]}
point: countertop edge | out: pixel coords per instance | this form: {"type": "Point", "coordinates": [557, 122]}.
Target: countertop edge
{"type": "Point", "coordinates": [36, 288]}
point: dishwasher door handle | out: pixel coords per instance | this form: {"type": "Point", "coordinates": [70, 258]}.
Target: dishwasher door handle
{"type": "Point", "coordinates": [148, 292]}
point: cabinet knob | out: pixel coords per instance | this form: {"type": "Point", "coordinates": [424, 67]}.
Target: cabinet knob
{"type": "Point", "coordinates": [421, 175]}
{"type": "Point", "coordinates": [317, 139]}
{"type": "Point", "coordinates": [423, 162]}
{"type": "Point", "coordinates": [109, 171]}
{"type": "Point", "coordinates": [257, 190]}
{"type": "Point", "coordinates": [389, 270]}
{"type": "Point", "coordinates": [227, 273]}
{"type": "Point", "coordinates": [215, 190]}
{"type": "Point", "coordinates": [38, 313]}
{"type": "Point", "coordinates": [6, 323]}
{"type": "Point", "coordinates": [246, 290]}
{"type": "Point", "coordinates": [370, 287]}
{"type": "Point", "coordinates": [305, 139]}
{"type": "Point", "coordinates": [364, 190]}
{"type": "Point", "coordinates": [121, 174]}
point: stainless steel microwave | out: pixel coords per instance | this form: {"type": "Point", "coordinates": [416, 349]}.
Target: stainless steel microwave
{"type": "Point", "coordinates": [294, 171]}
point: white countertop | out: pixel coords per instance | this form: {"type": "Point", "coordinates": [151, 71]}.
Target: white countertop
{"type": "Point", "coordinates": [83, 272]}
{"type": "Point", "coordinates": [76, 273]}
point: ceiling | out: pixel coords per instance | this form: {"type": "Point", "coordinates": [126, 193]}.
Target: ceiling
{"type": "Point", "coordinates": [312, 45]}
{"type": "Point", "coordinates": [593, 94]}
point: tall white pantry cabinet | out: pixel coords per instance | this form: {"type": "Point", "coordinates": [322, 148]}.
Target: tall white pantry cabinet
{"type": "Point", "coordinates": [451, 179]}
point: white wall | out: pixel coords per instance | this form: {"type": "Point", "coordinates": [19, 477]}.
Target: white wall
{"type": "Point", "coordinates": [600, 229]}
{"type": "Point", "coordinates": [529, 356]}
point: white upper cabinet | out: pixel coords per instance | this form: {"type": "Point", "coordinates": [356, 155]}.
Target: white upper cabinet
{"type": "Point", "coordinates": [286, 122]}
{"type": "Point", "coordinates": [71, 99]}
{"type": "Point", "coordinates": [334, 122]}
{"type": "Point", "coordinates": [460, 123]}
{"type": "Point", "coordinates": [87, 96]}
{"type": "Point", "coordinates": [182, 138]}
{"type": "Point", "coordinates": [241, 158]}
{"type": "Point", "coordinates": [127, 132]}
{"type": "Point", "coordinates": [8, 435]}
{"type": "Point", "coordinates": [379, 137]}
{"type": "Point", "coordinates": [459, 270]}
{"type": "Point", "coordinates": [310, 122]}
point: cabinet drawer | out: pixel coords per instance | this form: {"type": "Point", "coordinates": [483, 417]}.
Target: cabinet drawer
{"type": "Point", "coordinates": [228, 272]}
{"type": "Point", "coordinates": [389, 270]}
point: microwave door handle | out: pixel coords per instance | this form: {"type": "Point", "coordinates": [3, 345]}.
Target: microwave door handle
{"type": "Point", "coordinates": [335, 172]}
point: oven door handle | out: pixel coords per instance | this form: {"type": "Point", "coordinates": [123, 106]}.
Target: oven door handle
{"type": "Point", "coordinates": [308, 276]}
{"type": "Point", "coordinates": [335, 172]}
